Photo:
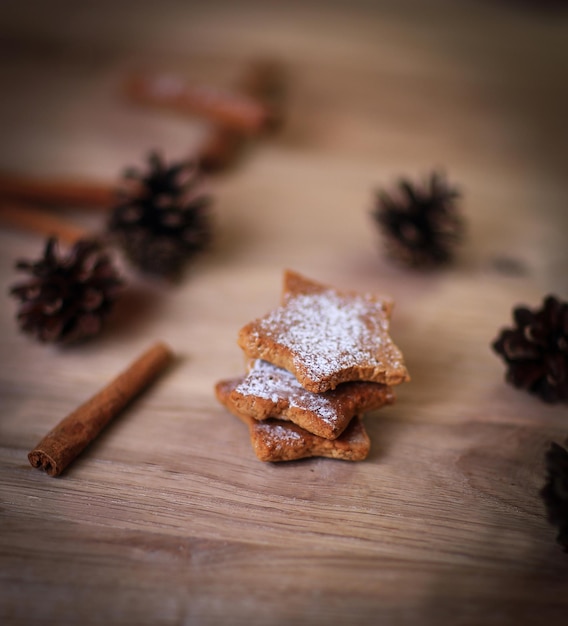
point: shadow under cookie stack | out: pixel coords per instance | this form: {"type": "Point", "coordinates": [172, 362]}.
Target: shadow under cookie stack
{"type": "Point", "coordinates": [316, 364]}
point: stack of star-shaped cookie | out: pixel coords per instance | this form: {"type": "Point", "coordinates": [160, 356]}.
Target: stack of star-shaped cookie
{"type": "Point", "coordinates": [316, 363]}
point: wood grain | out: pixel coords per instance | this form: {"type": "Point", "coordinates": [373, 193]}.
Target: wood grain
{"type": "Point", "coordinates": [168, 518]}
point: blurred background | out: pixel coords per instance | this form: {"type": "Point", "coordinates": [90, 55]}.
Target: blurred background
{"type": "Point", "coordinates": [482, 81]}
{"type": "Point", "coordinates": [376, 89]}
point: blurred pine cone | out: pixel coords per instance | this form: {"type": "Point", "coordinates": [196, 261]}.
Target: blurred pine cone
{"type": "Point", "coordinates": [163, 218]}
{"type": "Point", "coordinates": [67, 297]}
{"type": "Point", "coordinates": [536, 350]}
{"type": "Point", "coordinates": [421, 225]}
{"type": "Point", "coordinates": [555, 491]}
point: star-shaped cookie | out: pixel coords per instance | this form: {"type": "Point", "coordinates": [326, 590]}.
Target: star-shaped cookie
{"type": "Point", "coordinates": [326, 337]}
{"type": "Point", "coordinates": [270, 391]}
{"type": "Point", "coordinates": [276, 440]}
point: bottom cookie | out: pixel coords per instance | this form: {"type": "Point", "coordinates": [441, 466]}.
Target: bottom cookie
{"type": "Point", "coordinates": [277, 440]}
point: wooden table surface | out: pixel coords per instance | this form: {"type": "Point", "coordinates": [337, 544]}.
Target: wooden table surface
{"type": "Point", "coordinates": [169, 518]}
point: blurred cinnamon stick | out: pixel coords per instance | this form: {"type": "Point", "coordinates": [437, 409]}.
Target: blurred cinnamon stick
{"type": "Point", "coordinates": [74, 433]}
{"type": "Point", "coordinates": [220, 148]}
{"type": "Point", "coordinates": [57, 191]}
{"type": "Point", "coordinates": [29, 219]}
{"type": "Point", "coordinates": [229, 109]}
{"type": "Point", "coordinates": [264, 81]}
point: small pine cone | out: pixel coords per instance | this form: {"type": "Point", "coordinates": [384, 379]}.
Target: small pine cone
{"type": "Point", "coordinates": [67, 297]}
{"type": "Point", "coordinates": [163, 218]}
{"type": "Point", "coordinates": [421, 226]}
{"type": "Point", "coordinates": [536, 350]}
{"type": "Point", "coordinates": [555, 491]}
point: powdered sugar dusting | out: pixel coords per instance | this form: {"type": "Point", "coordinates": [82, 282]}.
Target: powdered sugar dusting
{"type": "Point", "coordinates": [283, 434]}
{"type": "Point", "coordinates": [273, 383]}
{"type": "Point", "coordinates": [327, 332]}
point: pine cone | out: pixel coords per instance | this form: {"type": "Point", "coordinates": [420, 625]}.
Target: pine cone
{"type": "Point", "coordinates": [67, 297]}
{"type": "Point", "coordinates": [421, 225]}
{"type": "Point", "coordinates": [163, 218]}
{"type": "Point", "coordinates": [555, 491]}
{"type": "Point", "coordinates": [536, 350]}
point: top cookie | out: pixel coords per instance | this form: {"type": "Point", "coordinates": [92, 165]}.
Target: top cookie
{"type": "Point", "coordinates": [326, 337]}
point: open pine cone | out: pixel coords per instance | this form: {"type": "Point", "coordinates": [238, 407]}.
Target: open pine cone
{"type": "Point", "coordinates": [163, 218]}
{"type": "Point", "coordinates": [421, 225]}
{"type": "Point", "coordinates": [536, 350]}
{"type": "Point", "coordinates": [67, 297]}
{"type": "Point", "coordinates": [555, 491]}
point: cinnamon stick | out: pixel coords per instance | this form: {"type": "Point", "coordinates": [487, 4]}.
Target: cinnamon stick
{"type": "Point", "coordinates": [57, 192]}
{"type": "Point", "coordinates": [229, 109]}
{"type": "Point", "coordinates": [30, 219]}
{"type": "Point", "coordinates": [220, 148]}
{"type": "Point", "coordinates": [264, 81]}
{"type": "Point", "coordinates": [74, 433]}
